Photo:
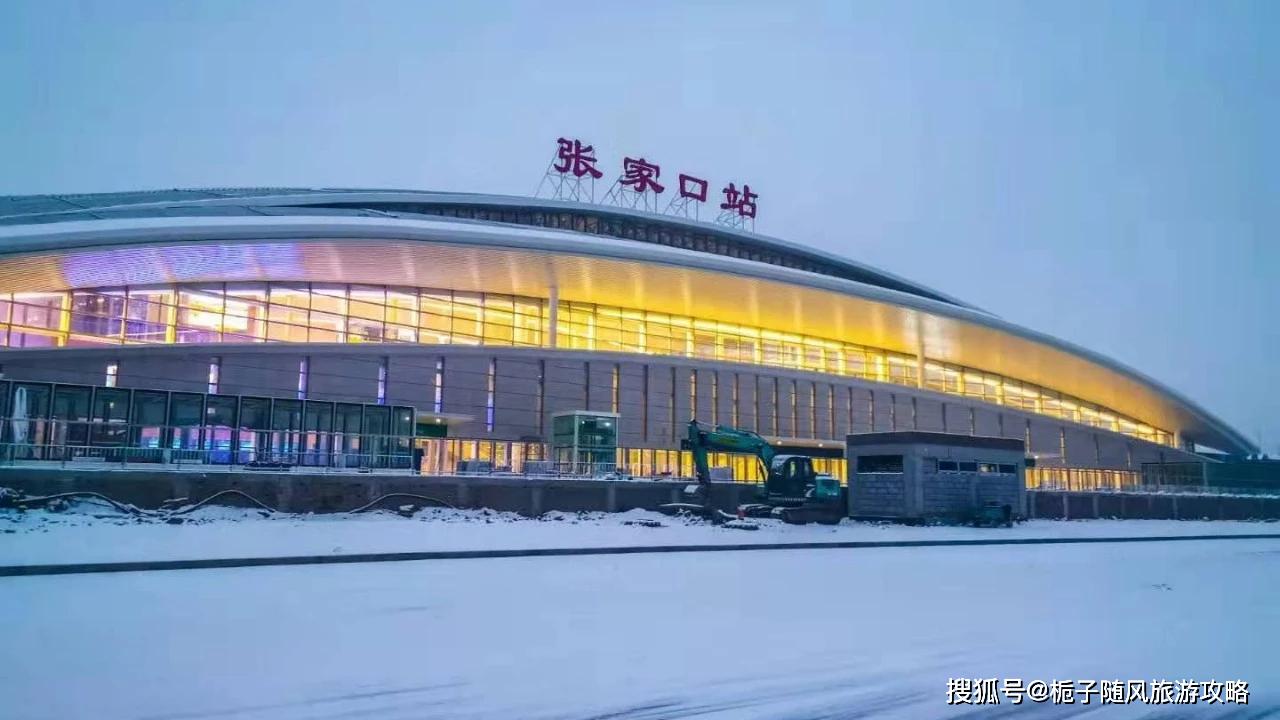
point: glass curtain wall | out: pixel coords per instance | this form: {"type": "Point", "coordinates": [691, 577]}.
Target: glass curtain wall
{"type": "Point", "coordinates": [335, 313]}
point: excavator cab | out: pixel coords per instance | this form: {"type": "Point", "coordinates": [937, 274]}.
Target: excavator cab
{"type": "Point", "coordinates": [798, 494]}
{"type": "Point", "coordinates": [790, 478]}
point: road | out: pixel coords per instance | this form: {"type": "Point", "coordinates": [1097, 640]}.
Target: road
{"type": "Point", "coordinates": [783, 634]}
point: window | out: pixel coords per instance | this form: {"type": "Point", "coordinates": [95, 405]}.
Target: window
{"type": "Point", "coordinates": [616, 396]}
{"type": "Point", "coordinates": [304, 368]}
{"type": "Point", "coordinates": [113, 370]}
{"type": "Point", "coordinates": [215, 373]}
{"type": "Point", "coordinates": [491, 381]}
{"type": "Point", "coordinates": [988, 468]}
{"type": "Point", "coordinates": [382, 382]}
{"type": "Point", "coordinates": [968, 467]}
{"type": "Point", "coordinates": [1008, 469]}
{"type": "Point", "coordinates": [241, 312]}
{"type": "Point", "coordinates": [947, 466]}
{"type": "Point", "coordinates": [879, 463]}
{"type": "Point", "coordinates": [438, 387]}
{"type": "Point", "coordinates": [693, 394]}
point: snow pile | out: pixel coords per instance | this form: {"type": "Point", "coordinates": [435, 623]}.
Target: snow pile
{"type": "Point", "coordinates": [89, 531]}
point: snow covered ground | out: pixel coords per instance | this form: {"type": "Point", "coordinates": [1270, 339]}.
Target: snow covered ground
{"type": "Point", "coordinates": [92, 533]}
{"type": "Point", "coordinates": [787, 634]}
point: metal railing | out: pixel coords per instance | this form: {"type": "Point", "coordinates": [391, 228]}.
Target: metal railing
{"type": "Point", "coordinates": [204, 459]}
{"type": "Point", "coordinates": [43, 441]}
{"type": "Point", "coordinates": [1139, 487]}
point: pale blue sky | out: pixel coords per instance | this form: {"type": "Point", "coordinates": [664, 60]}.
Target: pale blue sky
{"type": "Point", "coordinates": [1104, 172]}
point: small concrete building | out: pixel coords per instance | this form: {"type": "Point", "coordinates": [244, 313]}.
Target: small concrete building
{"type": "Point", "coordinates": [919, 475]}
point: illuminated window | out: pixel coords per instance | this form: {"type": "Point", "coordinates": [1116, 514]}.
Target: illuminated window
{"type": "Point", "coordinates": [215, 373]}
{"type": "Point", "coordinates": [287, 313]}
{"type": "Point", "coordinates": [245, 313]}
{"type": "Point", "coordinates": [366, 311]}
{"type": "Point", "coordinates": [382, 382]}
{"type": "Point", "coordinates": [438, 386]}
{"type": "Point", "coordinates": [402, 316]}
{"type": "Point", "coordinates": [616, 395]}
{"type": "Point", "coordinates": [113, 370]}
{"type": "Point", "coordinates": [318, 312]}
{"type": "Point", "coordinates": [304, 380]}
{"type": "Point", "coordinates": [97, 314]}
{"type": "Point", "coordinates": [200, 312]}
{"type": "Point", "coordinates": [499, 319]}
{"type": "Point", "coordinates": [693, 394]}
{"type": "Point", "coordinates": [468, 318]}
{"type": "Point", "coordinates": [491, 382]}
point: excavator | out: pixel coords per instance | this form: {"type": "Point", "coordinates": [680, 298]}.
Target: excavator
{"type": "Point", "coordinates": [793, 491]}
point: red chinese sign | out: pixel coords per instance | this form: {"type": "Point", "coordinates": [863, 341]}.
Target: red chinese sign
{"type": "Point", "coordinates": [641, 176]}
{"type": "Point", "coordinates": [576, 158]}
{"type": "Point", "coordinates": [743, 202]}
{"type": "Point", "coordinates": [692, 187]}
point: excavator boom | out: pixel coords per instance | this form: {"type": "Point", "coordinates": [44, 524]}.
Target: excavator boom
{"type": "Point", "coordinates": [704, 439]}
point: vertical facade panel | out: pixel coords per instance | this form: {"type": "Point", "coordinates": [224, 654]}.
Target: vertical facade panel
{"type": "Point", "coordinates": [788, 408]}
{"type": "Point", "coordinates": [85, 370]}
{"type": "Point", "coordinates": [515, 399]}
{"type": "Point", "coordinates": [929, 415]}
{"type": "Point", "coordinates": [705, 412]}
{"type": "Point", "coordinates": [184, 373]}
{"type": "Point", "coordinates": [659, 404]}
{"type": "Point", "coordinates": [684, 410]}
{"type": "Point", "coordinates": [883, 407]}
{"type": "Point", "coordinates": [986, 422]}
{"type": "Point", "coordinates": [828, 412]}
{"type": "Point", "coordinates": [903, 415]}
{"type": "Point", "coordinates": [804, 415]}
{"type": "Point", "coordinates": [724, 397]}
{"type": "Point", "coordinates": [1145, 452]}
{"type": "Point", "coordinates": [600, 391]}
{"type": "Point", "coordinates": [1113, 451]}
{"type": "Point", "coordinates": [1081, 450]}
{"type": "Point", "coordinates": [1013, 425]}
{"type": "Point", "coordinates": [862, 410]}
{"type": "Point", "coordinates": [276, 375]}
{"type": "Point", "coordinates": [410, 380]}
{"type": "Point", "coordinates": [466, 392]}
{"type": "Point", "coordinates": [1046, 442]}
{"type": "Point", "coordinates": [631, 404]}
{"type": "Point", "coordinates": [747, 418]}
{"type": "Point", "coordinates": [565, 386]}
{"type": "Point", "coordinates": [767, 408]}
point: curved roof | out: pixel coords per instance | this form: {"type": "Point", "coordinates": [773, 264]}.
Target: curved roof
{"type": "Point", "coordinates": [609, 221]}
{"type": "Point", "coordinates": [60, 249]}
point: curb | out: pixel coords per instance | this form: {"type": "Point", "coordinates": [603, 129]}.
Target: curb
{"type": "Point", "coordinates": [212, 563]}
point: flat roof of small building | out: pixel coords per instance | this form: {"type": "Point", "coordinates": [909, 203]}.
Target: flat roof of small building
{"type": "Point", "coordinates": [916, 437]}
